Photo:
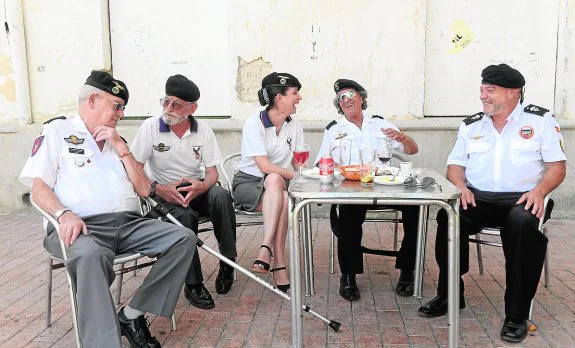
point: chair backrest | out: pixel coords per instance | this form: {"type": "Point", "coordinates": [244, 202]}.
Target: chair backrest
{"type": "Point", "coordinates": [229, 168]}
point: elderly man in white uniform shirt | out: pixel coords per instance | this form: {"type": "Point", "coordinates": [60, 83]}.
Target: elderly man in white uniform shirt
{"type": "Point", "coordinates": [83, 173]}
{"type": "Point", "coordinates": [505, 160]}
{"type": "Point", "coordinates": [175, 148]}
{"type": "Point", "coordinates": [361, 130]}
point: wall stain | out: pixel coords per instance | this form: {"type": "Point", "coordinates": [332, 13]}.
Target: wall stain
{"type": "Point", "coordinates": [249, 77]}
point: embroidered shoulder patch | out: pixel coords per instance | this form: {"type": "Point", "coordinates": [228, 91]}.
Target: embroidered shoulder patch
{"type": "Point", "coordinates": [472, 119]}
{"type": "Point", "coordinates": [536, 110]}
{"type": "Point", "coordinates": [37, 144]}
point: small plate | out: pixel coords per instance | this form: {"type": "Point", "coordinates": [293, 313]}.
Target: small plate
{"type": "Point", "coordinates": [387, 180]}
{"type": "Point", "coordinates": [313, 173]}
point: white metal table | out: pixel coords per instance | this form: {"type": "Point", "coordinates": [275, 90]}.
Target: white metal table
{"type": "Point", "coordinates": [351, 192]}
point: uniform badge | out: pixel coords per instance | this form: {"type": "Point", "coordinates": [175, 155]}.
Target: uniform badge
{"type": "Point", "coordinates": [117, 88]}
{"type": "Point", "coordinates": [37, 144]}
{"type": "Point", "coordinates": [283, 79]}
{"type": "Point", "coordinates": [76, 151]}
{"type": "Point", "coordinates": [72, 139]}
{"type": "Point", "coordinates": [197, 152]}
{"type": "Point", "coordinates": [526, 132]}
{"type": "Point", "coordinates": [288, 141]}
{"type": "Point", "coordinates": [79, 163]}
{"type": "Point", "coordinates": [558, 129]}
{"type": "Point", "coordinates": [336, 86]}
{"type": "Point", "coordinates": [340, 136]}
{"type": "Point", "coordinates": [477, 137]}
{"type": "Point", "coordinates": [161, 147]}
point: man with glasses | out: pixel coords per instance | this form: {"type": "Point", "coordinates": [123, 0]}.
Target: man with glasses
{"type": "Point", "coordinates": [359, 129]}
{"type": "Point", "coordinates": [83, 173]}
{"type": "Point", "coordinates": [506, 159]}
{"type": "Point", "coordinates": [178, 150]}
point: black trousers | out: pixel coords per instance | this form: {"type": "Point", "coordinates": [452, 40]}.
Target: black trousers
{"type": "Point", "coordinates": [350, 232]}
{"type": "Point", "coordinates": [524, 246]}
{"type": "Point", "coordinates": [217, 204]}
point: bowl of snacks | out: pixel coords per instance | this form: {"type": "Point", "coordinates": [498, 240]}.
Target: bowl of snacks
{"type": "Point", "coordinates": [350, 172]}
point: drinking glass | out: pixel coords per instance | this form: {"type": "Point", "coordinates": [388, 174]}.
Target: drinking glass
{"type": "Point", "coordinates": [367, 167]}
{"type": "Point", "coordinates": [301, 155]}
{"type": "Point", "coordinates": [384, 150]}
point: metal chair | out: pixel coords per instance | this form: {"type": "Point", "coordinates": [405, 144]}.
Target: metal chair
{"type": "Point", "coordinates": [228, 169]}
{"type": "Point", "coordinates": [373, 215]}
{"type": "Point", "coordinates": [56, 263]}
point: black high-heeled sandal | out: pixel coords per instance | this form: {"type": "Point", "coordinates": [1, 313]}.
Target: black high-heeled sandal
{"type": "Point", "coordinates": [282, 287]}
{"type": "Point", "coordinates": [265, 267]}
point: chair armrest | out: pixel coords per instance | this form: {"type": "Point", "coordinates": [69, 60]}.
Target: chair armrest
{"type": "Point", "coordinates": [54, 223]}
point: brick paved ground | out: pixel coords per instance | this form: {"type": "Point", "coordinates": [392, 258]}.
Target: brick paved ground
{"type": "Point", "coordinates": [249, 316]}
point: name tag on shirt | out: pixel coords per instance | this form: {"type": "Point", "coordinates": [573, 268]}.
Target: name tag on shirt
{"type": "Point", "coordinates": [76, 151]}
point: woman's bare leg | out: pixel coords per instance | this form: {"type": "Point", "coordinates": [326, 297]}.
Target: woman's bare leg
{"type": "Point", "coordinates": [272, 200]}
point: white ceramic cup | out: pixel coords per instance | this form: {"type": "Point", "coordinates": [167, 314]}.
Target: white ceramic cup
{"type": "Point", "coordinates": [405, 169]}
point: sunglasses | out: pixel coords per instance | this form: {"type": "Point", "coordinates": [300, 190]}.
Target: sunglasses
{"type": "Point", "coordinates": [425, 183]}
{"type": "Point", "coordinates": [349, 95]}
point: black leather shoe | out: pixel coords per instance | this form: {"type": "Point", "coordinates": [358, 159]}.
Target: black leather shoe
{"type": "Point", "coordinates": [225, 278]}
{"type": "Point", "coordinates": [404, 285]}
{"type": "Point", "coordinates": [437, 307]}
{"type": "Point", "coordinates": [199, 296]}
{"type": "Point", "coordinates": [514, 331]}
{"type": "Point", "coordinates": [137, 332]}
{"type": "Point", "coordinates": [348, 287]}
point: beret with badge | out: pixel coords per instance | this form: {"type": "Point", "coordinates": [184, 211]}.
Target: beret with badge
{"type": "Point", "coordinates": [276, 79]}
{"type": "Point", "coordinates": [183, 88]}
{"type": "Point", "coordinates": [342, 84]}
{"type": "Point", "coordinates": [105, 82]}
{"type": "Point", "coordinates": [502, 75]}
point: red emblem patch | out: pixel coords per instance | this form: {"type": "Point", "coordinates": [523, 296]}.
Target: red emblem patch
{"type": "Point", "coordinates": [526, 132]}
{"type": "Point", "coordinates": [558, 129]}
{"type": "Point", "coordinates": [37, 144]}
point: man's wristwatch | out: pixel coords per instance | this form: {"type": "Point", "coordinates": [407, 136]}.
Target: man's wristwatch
{"type": "Point", "coordinates": [153, 188]}
{"type": "Point", "coordinates": [61, 212]}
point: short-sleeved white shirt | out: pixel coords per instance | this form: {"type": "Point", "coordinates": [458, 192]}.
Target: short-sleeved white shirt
{"type": "Point", "coordinates": [510, 161]}
{"type": "Point", "coordinates": [84, 179]}
{"type": "Point", "coordinates": [341, 129]}
{"type": "Point", "coordinates": [259, 139]}
{"type": "Point", "coordinates": [168, 157]}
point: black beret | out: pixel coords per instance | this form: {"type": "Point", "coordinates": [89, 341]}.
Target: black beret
{"type": "Point", "coordinates": [183, 88]}
{"type": "Point", "coordinates": [503, 75]}
{"type": "Point", "coordinates": [345, 83]}
{"type": "Point", "coordinates": [104, 81]}
{"type": "Point", "coordinates": [276, 79]}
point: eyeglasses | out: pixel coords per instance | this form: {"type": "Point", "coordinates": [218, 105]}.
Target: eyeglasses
{"type": "Point", "coordinates": [165, 103]}
{"type": "Point", "coordinates": [425, 183]}
{"type": "Point", "coordinates": [349, 94]}
{"type": "Point", "coordinates": [115, 105]}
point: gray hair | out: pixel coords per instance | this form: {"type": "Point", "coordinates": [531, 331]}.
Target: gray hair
{"type": "Point", "coordinates": [363, 103]}
{"type": "Point", "coordinates": [86, 91]}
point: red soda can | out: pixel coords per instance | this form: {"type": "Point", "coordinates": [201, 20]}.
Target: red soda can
{"type": "Point", "coordinates": [326, 166]}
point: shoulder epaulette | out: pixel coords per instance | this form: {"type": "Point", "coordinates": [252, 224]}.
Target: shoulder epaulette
{"type": "Point", "coordinates": [536, 110]}
{"type": "Point", "coordinates": [472, 119]}
{"type": "Point", "coordinates": [331, 124]}
{"type": "Point", "coordinates": [55, 118]}
{"type": "Point", "coordinates": [377, 116]}
{"type": "Point", "coordinates": [121, 137]}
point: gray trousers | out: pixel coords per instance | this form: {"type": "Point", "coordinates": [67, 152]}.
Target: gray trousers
{"type": "Point", "coordinates": [216, 204]}
{"type": "Point", "coordinates": [90, 265]}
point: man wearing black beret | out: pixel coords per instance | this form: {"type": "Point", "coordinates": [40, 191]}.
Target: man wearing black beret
{"type": "Point", "coordinates": [177, 147]}
{"type": "Point", "coordinates": [361, 129]}
{"type": "Point", "coordinates": [506, 159]}
{"type": "Point", "coordinates": [83, 173]}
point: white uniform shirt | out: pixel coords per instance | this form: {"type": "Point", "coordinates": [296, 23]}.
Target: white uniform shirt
{"type": "Point", "coordinates": [84, 179]}
{"type": "Point", "coordinates": [169, 158]}
{"type": "Point", "coordinates": [259, 139]}
{"type": "Point", "coordinates": [510, 161]}
{"type": "Point", "coordinates": [341, 130]}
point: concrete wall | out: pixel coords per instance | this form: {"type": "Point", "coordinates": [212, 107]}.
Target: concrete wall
{"type": "Point", "coordinates": [416, 58]}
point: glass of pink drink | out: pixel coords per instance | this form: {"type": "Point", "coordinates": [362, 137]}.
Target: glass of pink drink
{"type": "Point", "coordinates": [301, 155]}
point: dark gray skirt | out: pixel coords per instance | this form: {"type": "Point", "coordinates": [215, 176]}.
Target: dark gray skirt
{"type": "Point", "coordinates": [247, 190]}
